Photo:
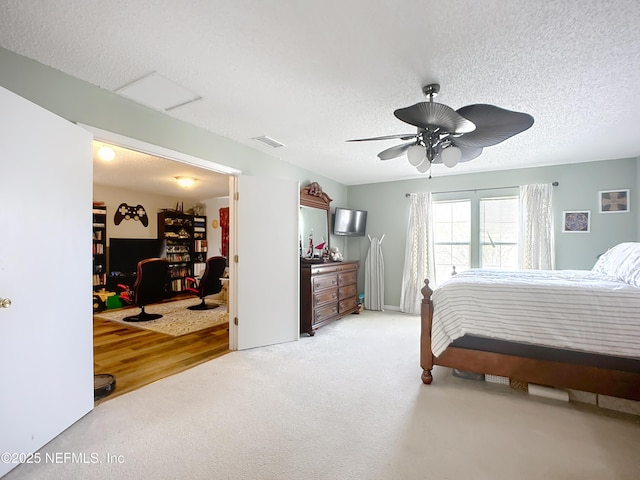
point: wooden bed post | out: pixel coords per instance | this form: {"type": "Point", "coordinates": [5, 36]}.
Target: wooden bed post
{"type": "Point", "coordinates": [426, 314]}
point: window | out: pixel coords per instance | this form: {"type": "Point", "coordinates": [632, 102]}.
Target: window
{"type": "Point", "coordinates": [475, 231]}
{"type": "Point", "coordinates": [499, 232]}
{"type": "Point", "coordinates": [452, 237]}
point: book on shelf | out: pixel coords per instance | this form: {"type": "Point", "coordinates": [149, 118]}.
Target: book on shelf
{"type": "Point", "coordinates": [198, 269]}
{"type": "Point", "coordinates": [200, 246]}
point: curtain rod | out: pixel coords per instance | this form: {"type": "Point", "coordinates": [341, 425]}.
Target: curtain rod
{"type": "Point", "coordinates": [555, 184]}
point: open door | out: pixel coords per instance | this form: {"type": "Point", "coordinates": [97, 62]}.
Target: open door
{"type": "Point", "coordinates": [264, 281]}
{"type": "Point", "coordinates": [46, 344]}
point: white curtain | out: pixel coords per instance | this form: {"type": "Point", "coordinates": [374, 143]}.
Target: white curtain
{"type": "Point", "coordinates": [374, 276]}
{"type": "Point", "coordinates": [536, 249]}
{"type": "Point", "coordinates": [418, 257]}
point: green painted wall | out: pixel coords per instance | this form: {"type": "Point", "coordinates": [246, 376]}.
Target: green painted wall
{"type": "Point", "coordinates": [578, 189]}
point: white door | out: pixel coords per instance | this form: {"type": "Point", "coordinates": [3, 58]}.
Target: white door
{"type": "Point", "coordinates": [46, 344]}
{"type": "Point", "coordinates": [264, 235]}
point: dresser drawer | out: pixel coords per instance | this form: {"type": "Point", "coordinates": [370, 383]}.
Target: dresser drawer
{"type": "Point", "coordinates": [325, 296]}
{"type": "Point", "coordinates": [324, 281]}
{"type": "Point", "coordinates": [347, 304]}
{"type": "Point", "coordinates": [347, 278]}
{"type": "Point", "coordinates": [348, 291]}
{"type": "Point", "coordinates": [328, 291]}
{"type": "Point", "coordinates": [322, 314]}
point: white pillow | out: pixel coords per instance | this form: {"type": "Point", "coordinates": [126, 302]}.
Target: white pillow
{"type": "Point", "coordinates": [621, 262]}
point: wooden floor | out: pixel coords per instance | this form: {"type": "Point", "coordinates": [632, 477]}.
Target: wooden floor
{"type": "Point", "coordinates": [139, 357]}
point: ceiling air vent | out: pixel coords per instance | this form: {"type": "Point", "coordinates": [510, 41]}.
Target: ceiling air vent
{"type": "Point", "coordinates": [269, 141]}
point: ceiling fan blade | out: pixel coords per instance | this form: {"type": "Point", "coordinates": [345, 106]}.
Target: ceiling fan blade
{"type": "Point", "coordinates": [401, 136]}
{"type": "Point", "coordinates": [394, 152]}
{"type": "Point", "coordinates": [469, 153]}
{"type": "Point", "coordinates": [431, 114]}
{"type": "Point", "coordinates": [493, 125]}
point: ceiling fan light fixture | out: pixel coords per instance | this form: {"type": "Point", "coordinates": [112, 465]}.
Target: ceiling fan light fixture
{"type": "Point", "coordinates": [416, 154]}
{"type": "Point", "coordinates": [451, 156]}
{"type": "Point", "coordinates": [424, 166]}
{"type": "Point", "coordinates": [473, 127]}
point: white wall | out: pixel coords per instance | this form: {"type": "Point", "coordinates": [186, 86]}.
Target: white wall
{"type": "Point", "coordinates": [113, 197]}
{"type": "Point", "coordinates": [214, 235]}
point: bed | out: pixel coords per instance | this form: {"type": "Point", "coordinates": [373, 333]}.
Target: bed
{"type": "Point", "coordinates": [575, 329]}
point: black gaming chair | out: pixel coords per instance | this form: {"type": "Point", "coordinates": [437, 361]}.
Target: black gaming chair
{"type": "Point", "coordinates": [210, 282]}
{"type": "Point", "coordinates": [152, 285]}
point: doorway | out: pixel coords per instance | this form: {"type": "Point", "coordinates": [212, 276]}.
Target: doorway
{"type": "Point", "coordinates": [142, 174]}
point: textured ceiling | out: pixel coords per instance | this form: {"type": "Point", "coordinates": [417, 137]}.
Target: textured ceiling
{"type": "Point", "coordinates": [312, 75]}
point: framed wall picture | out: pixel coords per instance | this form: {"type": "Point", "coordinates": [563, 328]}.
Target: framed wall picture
{"type": "Point", "coordinates": [614, 201]}
{"type": "Point", "coordinates": [576, 221]}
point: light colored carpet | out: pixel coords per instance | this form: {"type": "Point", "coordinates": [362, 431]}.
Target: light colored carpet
{"type": "Point", "coordinates": [345, 404]}
{"type": "Point", "coordinates": [176, 318]}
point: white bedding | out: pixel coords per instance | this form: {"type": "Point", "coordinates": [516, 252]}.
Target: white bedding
{"type": "Point", "coordinates": [573, 309]}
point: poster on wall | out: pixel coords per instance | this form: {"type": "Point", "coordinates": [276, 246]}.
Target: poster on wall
{"type": "Point", "coordinates": [576, 221]}
{"type": "Point", "coordinates": [613, 201]}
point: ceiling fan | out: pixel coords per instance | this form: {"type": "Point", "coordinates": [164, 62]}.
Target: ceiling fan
{"type": "Point", "coordinates": [448, 136]}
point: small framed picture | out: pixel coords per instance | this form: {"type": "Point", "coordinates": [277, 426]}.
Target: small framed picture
{"type": "Point", "coordinates": [576, 221]}
{"type": "Point", "coordinates": [614, 201]}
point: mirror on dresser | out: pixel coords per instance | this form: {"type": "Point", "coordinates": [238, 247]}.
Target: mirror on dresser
{"type": "Point", "coordinates": [328, 290]}
{"type": "Point", "coordinates": [315, 208]}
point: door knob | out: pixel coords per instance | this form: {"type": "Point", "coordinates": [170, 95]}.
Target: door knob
{"type": "Point", "coordinates": [5, 302]}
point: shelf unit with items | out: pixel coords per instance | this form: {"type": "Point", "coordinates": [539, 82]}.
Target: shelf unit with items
{"type": "Point", "coordinates": [199, 244]}
{"type": "Point", "coordinates": [99, 246]}
{"type": "Point", "coordinates": [175, 229]}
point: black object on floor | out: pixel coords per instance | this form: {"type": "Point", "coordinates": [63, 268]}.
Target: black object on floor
{"type": "Point", "coordinates": [103, 385]}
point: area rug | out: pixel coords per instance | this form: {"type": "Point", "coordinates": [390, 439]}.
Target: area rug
{"type": "Point", "coordinates": [176, 319]}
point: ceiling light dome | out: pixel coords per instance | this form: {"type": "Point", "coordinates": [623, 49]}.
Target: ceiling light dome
{"type": "Point", "coordinates": [106, 153]}
{"type": "Point", "coordinates": [424, 166]}
{"type": "Point", "coordinates": [416, 154]}
{"type": "Point", "coordinates": [451, 156]}
{"type": "Point", "coordinates": [186, 181]}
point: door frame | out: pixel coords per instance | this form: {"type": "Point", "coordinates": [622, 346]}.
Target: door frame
{"type": "Point", "coordinates": [158, 151]}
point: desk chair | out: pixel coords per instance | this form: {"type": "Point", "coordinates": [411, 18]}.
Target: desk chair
{"type": "Point", "coordinates": [152, 285]}
{"type": "Point", "coordinates": [209, 283]}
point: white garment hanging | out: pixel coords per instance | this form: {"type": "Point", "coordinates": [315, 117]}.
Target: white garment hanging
{"type": "Point", "coordinates": [374, 276]}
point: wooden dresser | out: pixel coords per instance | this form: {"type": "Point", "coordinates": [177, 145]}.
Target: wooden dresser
{"type": "Point", "coordinates": [328, 291]}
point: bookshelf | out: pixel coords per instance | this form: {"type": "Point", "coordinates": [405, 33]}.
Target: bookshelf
{"type": "Point", "coordinates": [199, 244]}
{"type": "Point", "coordinates": [184, 240]}
{"type": "Point", "coordinates": [99, 246]}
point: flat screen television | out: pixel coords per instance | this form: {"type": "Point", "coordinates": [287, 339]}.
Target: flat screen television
{"type": "Point", "coordinates": [349, 222]}
{"type": "Point", "coordinates": [125, 253]}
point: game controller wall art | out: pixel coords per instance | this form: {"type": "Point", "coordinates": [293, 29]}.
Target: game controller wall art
{"type": "Point", "coordinates": [129, 212]}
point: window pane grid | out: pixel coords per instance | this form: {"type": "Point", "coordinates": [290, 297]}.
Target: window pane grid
{"type": "Point", "coordinates": [452, 238]}
{"type": "Point", "coordinates": [499, 232]}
